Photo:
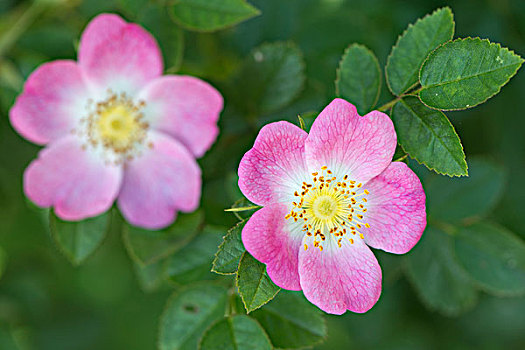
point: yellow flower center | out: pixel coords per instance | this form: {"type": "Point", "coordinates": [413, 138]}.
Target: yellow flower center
{"type": "Point", "coordinates": [117, 125]}
{"type": "Point", "coordinates": [330, 208]}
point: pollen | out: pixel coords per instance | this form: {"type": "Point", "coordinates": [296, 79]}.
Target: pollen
{"type": "Point", "coordinates": [116, 124]}
{"type": "Point", "coordinates": [328, 208]}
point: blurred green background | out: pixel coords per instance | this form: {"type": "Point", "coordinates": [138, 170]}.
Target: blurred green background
{"type": "Point", "coordinates": [46, 303]}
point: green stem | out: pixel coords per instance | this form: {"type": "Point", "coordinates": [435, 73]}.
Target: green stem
{"type": "Point", "coordinates": [400, 159]}
{"type": "Point", "coordinates": [9, 38]}
{"type": "Point", "coordinates": [388, 105]}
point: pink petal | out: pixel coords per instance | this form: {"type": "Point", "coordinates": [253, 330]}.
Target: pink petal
{"type": "Point", "coordinates": [361, 147]}
{"type": "Point", "coordinates": [396, 210]}
{"type": "Point", "coordinates": [274, 168]}
{"type": "Point", "coordinates": [74, 181]}
{"type": "Point", "coordinates": [339, 279]}
{"type": "Point", "coordinates": [275, 241]}
{"type": "Point", "coordinates": [184, 107]}
{"type": "Point", "coordinates": [117, 55]}
{"type": "Point", "coordinates": [163, 180]}
{"type": "Point", "coordinates": [53, 101]}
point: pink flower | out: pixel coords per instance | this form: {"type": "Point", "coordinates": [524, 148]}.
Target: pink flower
{"type": "Point", "coordinates": [326, 196]}
{"type": "Point", "coordinates": [115, 128]}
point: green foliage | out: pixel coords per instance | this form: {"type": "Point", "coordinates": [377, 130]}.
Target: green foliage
{"type": "Point", "coordinates": [428, 137]}
{"type": "Point", "coordinates": [3, 261]}
{"type": "Point", "coordinates": [466, 72]}
{"type": "Point", "coordinates": [230, 251]}
{"type": "Point", "coordinates": [359, 78]}
{"type": "Point", "coordinates": [152, 276]}
{"type": "Point", "coordinates": [493, 257]}
{"type": "Point", "coordinates": [454, 200]}
{"type": "Point", "coordinates": [413, 47]}
{"type": "Point", "coordinates": [291, 321]}
{"type": "Point", "coordinates": [170, 37]}
{"type": "Point", "coordinates": [439, 280]}
{"type": "Point", "coordinates": [271, 77]}
{"type": "Point", "coordinates": [255, 287]}
{"type": "Point", "coordinates": [238, 332]}
{"type": "Point", "coordinates": [79, 239]}
{"type": "Point", "coordinates": [147, 246]}
{"type": "Point", "coordinates": [188, 313]}
{"type": "Point", "coordinates": [211, 15]}
{"type": "Point", "coordinates": [193, 262]}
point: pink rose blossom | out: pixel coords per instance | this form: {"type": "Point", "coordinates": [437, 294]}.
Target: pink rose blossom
{"type": "Point", "coordinates": [116, 129]}
{"type": "Point", "coordinates": [327, 196]}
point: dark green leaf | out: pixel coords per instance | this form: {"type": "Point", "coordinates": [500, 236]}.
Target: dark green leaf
{"type": "Point", "coordinates": [238, 332]}
{"type": "Point", "coordinates": [150, 277]}
{"type": "Point", "coordinates": [211, 15]}
{"type": "Point", "coordinates": [170, 37]}
{"type": "Point", "coordinates": [271, 77]}
{"type": "Point", "coordinates": [428, 137]}
{"type": "Point", "coordinates": [435, 274]}
{"type": "Point", "coordinates": [79, 239]}
{"type": "Point", "coordinates": [291, 322]}
{"type": "Point", "coordinates": [188, 313]}
{"type": "Point", "coordinates": [230, 251]}
{"type": "Point", "coordinates": [147, 246]}
{"type": "Point", "coordinates": [3, 261]}
{"type": "Point", "coordinates": [194, 261]}
{"type": "Point", "coordinates": [359, 78]}
{"type": "Point", "coordinates": [493, 257]}
{"type": "Point", "coordinates": [466, 72]}
{"type": "Point", "coordinates": [133, 7]}
{"type": "Point", "coordinates": [453, 200]}
{"type": "Point", "coordinates": [413, 47]}
{"type": "Point", "coordinates": [255, 287]}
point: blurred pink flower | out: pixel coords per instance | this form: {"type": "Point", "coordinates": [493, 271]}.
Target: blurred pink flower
{"type": "Point", "coordinates": [115, 128]}
{"type": "Point", "coordinates": [327, 196]}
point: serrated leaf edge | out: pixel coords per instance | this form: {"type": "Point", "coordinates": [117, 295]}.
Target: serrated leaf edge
{"type": "Point", "coordinates": [410, 25]}
{"type": "Point", "coordinates": [374, 58]}
{"type": "Point", "coordinates": [477, 38]}
{"type": "Point", "coordinates": [431, 168]}
{"type": "Point", "coordinates": [248, 310]}
{"type": "Point", "coordinates": [219, 248]}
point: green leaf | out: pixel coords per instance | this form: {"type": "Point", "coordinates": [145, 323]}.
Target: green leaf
{"type": "Point", "coordinates": [3, 261]}
{"type": "Point", "coordinates": [466, 72]}
{"type": "Point", "coordinates": [211, 15]}
{"type": "Point", "coordinates": [147, 246]}
{"type": "Point", "coordinates": [453, 200]}
{"type": "Point", "coordinates": [428, 136]}
{"type": "Point", "coordinates": [255, 287]}
{"type": "Point", "coordinates": [230, 251]}
{"type": "Point", "coordinates": [493, 256]}
{"type": "Point", "coordinates": [150, 277]}
{"type": "Point", "coordinates": [170, 37]}
{"type": "Point", "coordinates": [271, 77]}
{"type": "Point", "coordinates": [435, 274]}
{"type": "Point", "coordinates": [133, 7]}
{"type": "Point", "coordinates": [292, 322]}
{"type": "Point", "coordinates": [413, 47]}
{"type": "Point", "coordinates": [194, 261]}
{"type": "Point", "coordinates": [188, 313]}
{"type": "Point", "coordinates": [238, 332]}
{"type": "Point", "coordinates": [359, 78]}
{"type": "Point", "coordinates": [79, 239]}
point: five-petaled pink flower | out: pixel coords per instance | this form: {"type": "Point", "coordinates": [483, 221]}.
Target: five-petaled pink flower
{"type": "Point", "coordinates": [326, 196]}
{"type": "Point", "coordinates": [115, 128]}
